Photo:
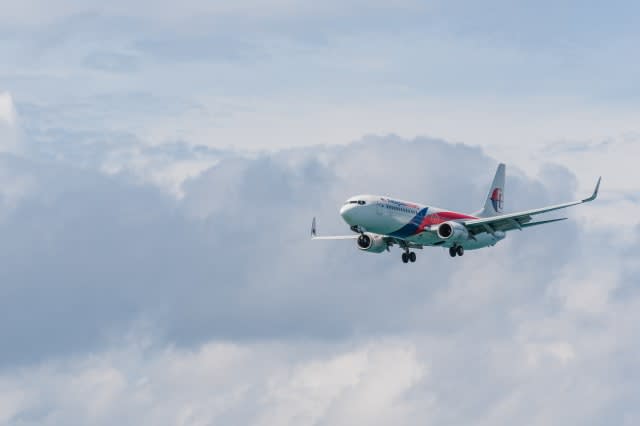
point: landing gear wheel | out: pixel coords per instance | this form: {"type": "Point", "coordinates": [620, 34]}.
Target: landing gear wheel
{"type": "Point", "coordinates": [460, 250]}
{"type": "Point", "coordinates": [412, 257]}
{"type": "Point", "coordinates": [452, 251]}
{"type": "Point", "coordinates": [405, 257]}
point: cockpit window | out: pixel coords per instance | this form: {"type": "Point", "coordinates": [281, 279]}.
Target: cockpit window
{"type": "Point", "coordinates": [359, 202]}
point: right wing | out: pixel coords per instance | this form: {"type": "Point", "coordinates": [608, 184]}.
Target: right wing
{"type": "Point", "coordinates": [507, 222]}
{"type": "Point", "coordinates": [314, 235]}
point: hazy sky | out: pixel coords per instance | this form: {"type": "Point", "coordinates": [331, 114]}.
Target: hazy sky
{"type": "Point", "coordinates": [160, 163]}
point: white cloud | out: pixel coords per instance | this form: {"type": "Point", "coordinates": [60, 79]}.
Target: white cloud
{"type": "Point", "coordinates": [158, 166]}
{"type": "Point", "coordinates": [255, 324]}
{"type": "Point", "coordinates": [219, 382]}
{"type": "Point", "coordinates": [7, 111]}
{"type": "Point", "coordinates": [587, 291]}
{"type": "Point", "coordinates": [235, 212]}
{"type": "Point", "coordinates": [541, 373]}
{"type": "Point", "coordinates": [9, 132]}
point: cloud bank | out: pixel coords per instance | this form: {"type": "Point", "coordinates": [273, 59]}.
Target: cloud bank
{"type": "Point", "coordinates": [123, 303]}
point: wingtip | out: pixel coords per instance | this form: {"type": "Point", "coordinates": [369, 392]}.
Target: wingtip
{"type": "Point", "coordinates": [313, 227]}
{"type": "Point", "coordinates": [595, 191]}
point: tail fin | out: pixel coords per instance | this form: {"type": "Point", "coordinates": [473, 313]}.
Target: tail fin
{"type": "Point", "coordinates": [495, 199]}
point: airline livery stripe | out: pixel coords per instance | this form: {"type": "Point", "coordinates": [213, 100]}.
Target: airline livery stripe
{"type": "Point", "coordinates": [421, 221]}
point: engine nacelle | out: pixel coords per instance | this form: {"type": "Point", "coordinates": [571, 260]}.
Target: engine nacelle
{"type": "Point", "coordinates": [453, 231]}
{"type": "Point", "coordinates": [373, 243]}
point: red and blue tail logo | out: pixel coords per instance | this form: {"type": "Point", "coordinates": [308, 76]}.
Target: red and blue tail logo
{"type": "Point", "coordinates": [496, 199]}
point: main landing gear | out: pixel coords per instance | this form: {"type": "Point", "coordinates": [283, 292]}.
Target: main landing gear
{"type": "Point", "coordinates": [408, 256]}
{"type": "Point", "coordinates": [456, 251]}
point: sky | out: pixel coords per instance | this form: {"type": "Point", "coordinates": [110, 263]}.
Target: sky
{"type": "Point", "coordinates": [160, 164]}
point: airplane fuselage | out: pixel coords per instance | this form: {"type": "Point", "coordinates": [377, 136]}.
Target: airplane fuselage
{"type": "Point", "coordinates": [409, 221]}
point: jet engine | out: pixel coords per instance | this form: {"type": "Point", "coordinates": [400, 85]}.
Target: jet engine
{"type": "Point", "coordinates": [453, 231]}
{"type": "Point", "coordinates": [373, 243]}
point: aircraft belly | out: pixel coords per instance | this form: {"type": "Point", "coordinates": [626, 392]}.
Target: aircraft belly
{"type": "Point", "coordinates": [425, 238]}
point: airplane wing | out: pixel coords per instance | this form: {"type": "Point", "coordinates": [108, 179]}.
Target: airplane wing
{"type": "Point", "coordinates": [389, 240]}
{"type": "Point", "coordinates": [335, 237]}
{"type": "Point", "coordinates": [520, 220]}
{"type": "Point", "coordinates": [314, 235]}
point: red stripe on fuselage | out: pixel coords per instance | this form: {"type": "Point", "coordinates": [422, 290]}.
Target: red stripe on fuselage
{"type": "Point", "coordinates": [440, 217]}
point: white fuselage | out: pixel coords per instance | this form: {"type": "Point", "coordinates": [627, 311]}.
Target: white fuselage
{"type": "Point", "coordinates": [408, 221]}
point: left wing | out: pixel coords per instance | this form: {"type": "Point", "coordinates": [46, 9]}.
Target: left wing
{"type": "Point", "coordinates": [507, 222]}
{"type": "Point", "coordinates": [314, 235]}
{"type": "Point", "coordinates": [389, 240]}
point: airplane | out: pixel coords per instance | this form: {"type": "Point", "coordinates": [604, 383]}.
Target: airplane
{"type": "Point", "coordinates": [380, 222]}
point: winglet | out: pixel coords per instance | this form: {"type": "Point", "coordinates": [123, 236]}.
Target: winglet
{"type": "Point", "coordinates": [313, 227]}
{"type": "Point", "coordinates": [595, 192]}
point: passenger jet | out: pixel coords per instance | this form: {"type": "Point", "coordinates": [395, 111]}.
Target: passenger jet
{"type": "Point", "coordinates": [380, 222]}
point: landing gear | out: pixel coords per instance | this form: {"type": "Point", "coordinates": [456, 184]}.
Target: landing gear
{"type": "Point", "coordinates": [408, 256]}
{"type": "Point", "coordinates": [456, 251]}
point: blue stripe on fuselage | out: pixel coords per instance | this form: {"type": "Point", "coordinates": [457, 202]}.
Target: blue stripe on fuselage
{"type": "Point", "coordinates": [412, 227]}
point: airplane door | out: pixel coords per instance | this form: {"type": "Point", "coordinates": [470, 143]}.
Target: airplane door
{"type": "Point", "coordinates": [379, 208]}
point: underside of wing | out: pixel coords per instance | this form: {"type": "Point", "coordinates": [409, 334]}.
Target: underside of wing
{"type": "Point", "coordinates": [510, 224]}
{"type": "Point", "coordinates": [336, 237]}
{"type": "Point", "coordinates": [497, 224]}
{"type": "Point", "coordinates": [543, 222]}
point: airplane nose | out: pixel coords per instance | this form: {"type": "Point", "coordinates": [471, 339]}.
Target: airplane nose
{"type": "Point", "coordinates": [347, 212]}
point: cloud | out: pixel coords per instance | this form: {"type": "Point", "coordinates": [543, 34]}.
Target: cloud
{"type": "Point", "coordinates": [167, 12]}
{"type": "Point", "coordinates": [111, 62]}
{"type": "Point", "coordinates": [219, 382]}
{"type": "Point", "coordinates": [148, 277]}
{"type": "Point", "coordinates": [9, 134]}
{"type": "Point", "coordinates": [217, 308]}
{"type": "Point", "coordinates": [7, 111]}
{"type": "Point", "coordinates": [113, 250]}
{"type": "Point", "coordinates": [539, 373]}
{"type": "Point", "coordinates": [306, 74]}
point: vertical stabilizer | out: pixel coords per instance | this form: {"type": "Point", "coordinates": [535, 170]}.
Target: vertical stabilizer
{"type": "Point", "coordinates": [494, 204]}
